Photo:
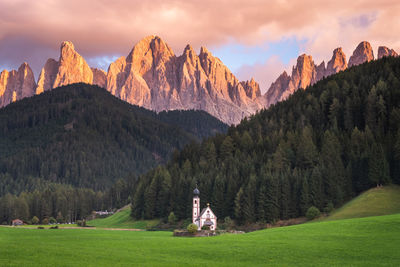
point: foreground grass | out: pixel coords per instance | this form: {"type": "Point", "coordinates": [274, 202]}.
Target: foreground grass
{"type": "Point", "coordinates": [376, 201]}
{"type": "Point", "coordinates": [372, 241]}
{"type": "Point", "coordinates": [122, 219]}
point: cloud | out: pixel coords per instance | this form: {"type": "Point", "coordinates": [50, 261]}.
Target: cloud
{"type": "Point", "coordinates": [266, 72]}
{"type": "Point", "coordinates": [105, 29]}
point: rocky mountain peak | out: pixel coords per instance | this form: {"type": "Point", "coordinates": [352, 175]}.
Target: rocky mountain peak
{"type": "Point", "coordinates": [304, 73]}
{"type": "Point", "coordinates": [384, 51]}
{"type": "Point", "coordinates": [71, 68]}
{"type": "Point", "coordinates": [363, 53]}
{"type": "Point", "coordinates": [252, 88]}
{"type": "Point", "coordinates": [337, 63]}
{"type": "Point", "coordinates": [16, 84]}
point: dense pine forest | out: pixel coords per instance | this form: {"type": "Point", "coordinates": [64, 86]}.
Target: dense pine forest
{"type": "Point", "coordinates": [320, 147]}
{"type": "Point", "coordinates": [83, 136]}
{"type": "Point", "coordinates": [80, 135]}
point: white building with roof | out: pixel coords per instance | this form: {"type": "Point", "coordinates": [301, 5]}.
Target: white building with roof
{"type": "Point", "coordinates": [204, 218]}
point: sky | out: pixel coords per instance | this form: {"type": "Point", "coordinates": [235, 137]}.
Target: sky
{"type": "Point", "coordinates": [254, 38]}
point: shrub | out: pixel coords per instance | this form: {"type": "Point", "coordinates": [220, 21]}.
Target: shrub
{"type": "Point", "coordinates": [40, 227]}
{"type": "Point", "coordinates": [192, 228]}
{"type": "Point", "coordinates": [312, 213]}
{"type": "Point", "coordinates": [35, 220]}
{"type": "Point", "coordinates": [171, 218]}
{"type": "Point", "coordinates": [4, 223]}
{"type": "Point", "coordinates": [52, 220]}
{"type": "Point", "coordinates": [54, 227]}
{"type": "Point", "coordinates": [45, 221]}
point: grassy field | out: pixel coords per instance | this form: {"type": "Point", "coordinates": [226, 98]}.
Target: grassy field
{"type": "Point", "coordinates": [122, 219]}
{"type": "Point", "coordinates": [374, 202]}
{"type": "Point", "coordinates": [372, 241]}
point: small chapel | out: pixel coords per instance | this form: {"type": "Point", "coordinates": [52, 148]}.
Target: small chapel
{"type": "Point", "coordinates": [204, 218]}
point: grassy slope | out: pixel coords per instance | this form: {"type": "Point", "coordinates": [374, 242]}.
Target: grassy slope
{"type": "Point", "coordinates": [121, 219]}
{"type": "Point", "coordinates": [374, 202]}
{"type": "Point", "coordinates": [372, 241]}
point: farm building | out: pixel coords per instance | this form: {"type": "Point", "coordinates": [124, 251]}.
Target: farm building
{"type": "Point", "coordinates": [17, 222]}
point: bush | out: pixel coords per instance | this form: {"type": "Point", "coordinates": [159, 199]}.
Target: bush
{"type": "Point", "coordinates": [4, 223]}
{"type": "Point", "coordinates": [54, 227]}
{"type": "Point", "coordinates": [312, 213]}
{"type": "Point", "coordinates": [45, 221]}
{"type": "Point", "coordinates": [35, 220]}
{"type": "Point", "coordinates": [192, 228]}
{"type": "Point", "coordinates": [171, 218]}
{"type": "Point", "coordinates": [52, 220]}
{"type": "Point", "coordinates": [40, 227]}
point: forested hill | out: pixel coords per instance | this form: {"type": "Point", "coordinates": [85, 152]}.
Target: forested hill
{"type": "Point", "coordinates": [83, 136]}
{"type": "Point", "coordinates": [320, 147]}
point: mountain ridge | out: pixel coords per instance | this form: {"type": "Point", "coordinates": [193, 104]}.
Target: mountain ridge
{"type": "Point", "coordinates": [154, 77]}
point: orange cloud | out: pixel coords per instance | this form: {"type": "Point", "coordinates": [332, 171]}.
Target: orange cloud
{"type": "Point", "coordinates": [100, 27]}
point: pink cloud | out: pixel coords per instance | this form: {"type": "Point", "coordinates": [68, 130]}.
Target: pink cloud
{"type": "Point", "coordinates": [264, 73]}
{"type": "Point", "coordinates": [100, 27]}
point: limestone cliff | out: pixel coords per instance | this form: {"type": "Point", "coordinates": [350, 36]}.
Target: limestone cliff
{"type": "Point", "coordinates": [383, 51]}
{"type": "Point", "coordinates": [363, 53]}
{"type": "Point", "coordinates": [70, 68]}
{"type": "Point", "coordinates": [16, 84]}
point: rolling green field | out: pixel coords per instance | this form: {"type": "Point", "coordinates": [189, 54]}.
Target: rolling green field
{"type": "Point", "coordinates": [372, 241]}
{"type": "Point", "coordinates": [376, 201]}
{"type": "Point", "coordinates": [122, 219]}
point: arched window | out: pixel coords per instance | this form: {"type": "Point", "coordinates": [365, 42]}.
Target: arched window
{"type": "Point", "coordinates": [195, 202]}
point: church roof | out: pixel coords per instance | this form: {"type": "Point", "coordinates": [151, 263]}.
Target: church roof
{"type": "Point", "coordinates": [204, 210]}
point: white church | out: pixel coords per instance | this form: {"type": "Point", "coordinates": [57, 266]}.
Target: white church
{"type": "Point", "coordinates": [204, 218]}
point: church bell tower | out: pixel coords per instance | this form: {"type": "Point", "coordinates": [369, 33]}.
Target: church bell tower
{"type": "Point", "coordinates": [196, 207]}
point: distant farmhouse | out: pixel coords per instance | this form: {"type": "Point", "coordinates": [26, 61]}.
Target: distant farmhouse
{"type": "Point", "coordinates": [17, 222]}
{"type": "Point", "coordinates": [204, 218]}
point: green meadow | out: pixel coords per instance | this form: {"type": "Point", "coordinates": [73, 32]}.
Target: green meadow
{"type": "Point", "coordinates": [122, 219]}
{"type": "Point", "coordinates": [376, 201]}
{"type": "Point", "coordinates": [371, 241]}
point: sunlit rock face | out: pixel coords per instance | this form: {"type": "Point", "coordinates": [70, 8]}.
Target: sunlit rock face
{"type": "Point", "coordinates": [303, 75]}
{"type": "Point", "coordinates": [16, 84]}
{"type": "Point", "coordinates": [384, 51]}
{"type": "Point", "coordinates": [152, 76]}
{"type": "Point", "coordinates": [337, 63]}
{"type": "Point", "coordinates": [306, 73]}
{"type": "Point", "coordinates": [363, 53]}
{"type": "Point", "coordinates": [70, 68]}
{"type": "Point", "coordinates": [99, 77]}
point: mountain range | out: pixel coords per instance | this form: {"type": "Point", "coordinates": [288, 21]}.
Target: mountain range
{"type": "Point", "coordinates": [152, 76]}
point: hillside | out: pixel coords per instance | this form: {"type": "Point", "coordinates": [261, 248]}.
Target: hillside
{"type": "Point", "coordinates": [321, 147]}
{"type": "Point", "coordinates": [82, 135]}
{"type": "Point", "coordinates": [121, 219]}
{"type": "Point", "coordinates": [376, 201]}
{"type": "Point", "coordinates": [372, 241]}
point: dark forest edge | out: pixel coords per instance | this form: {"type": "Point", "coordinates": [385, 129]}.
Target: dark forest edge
{"type": "Point", "coordinates": [81, 144]}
